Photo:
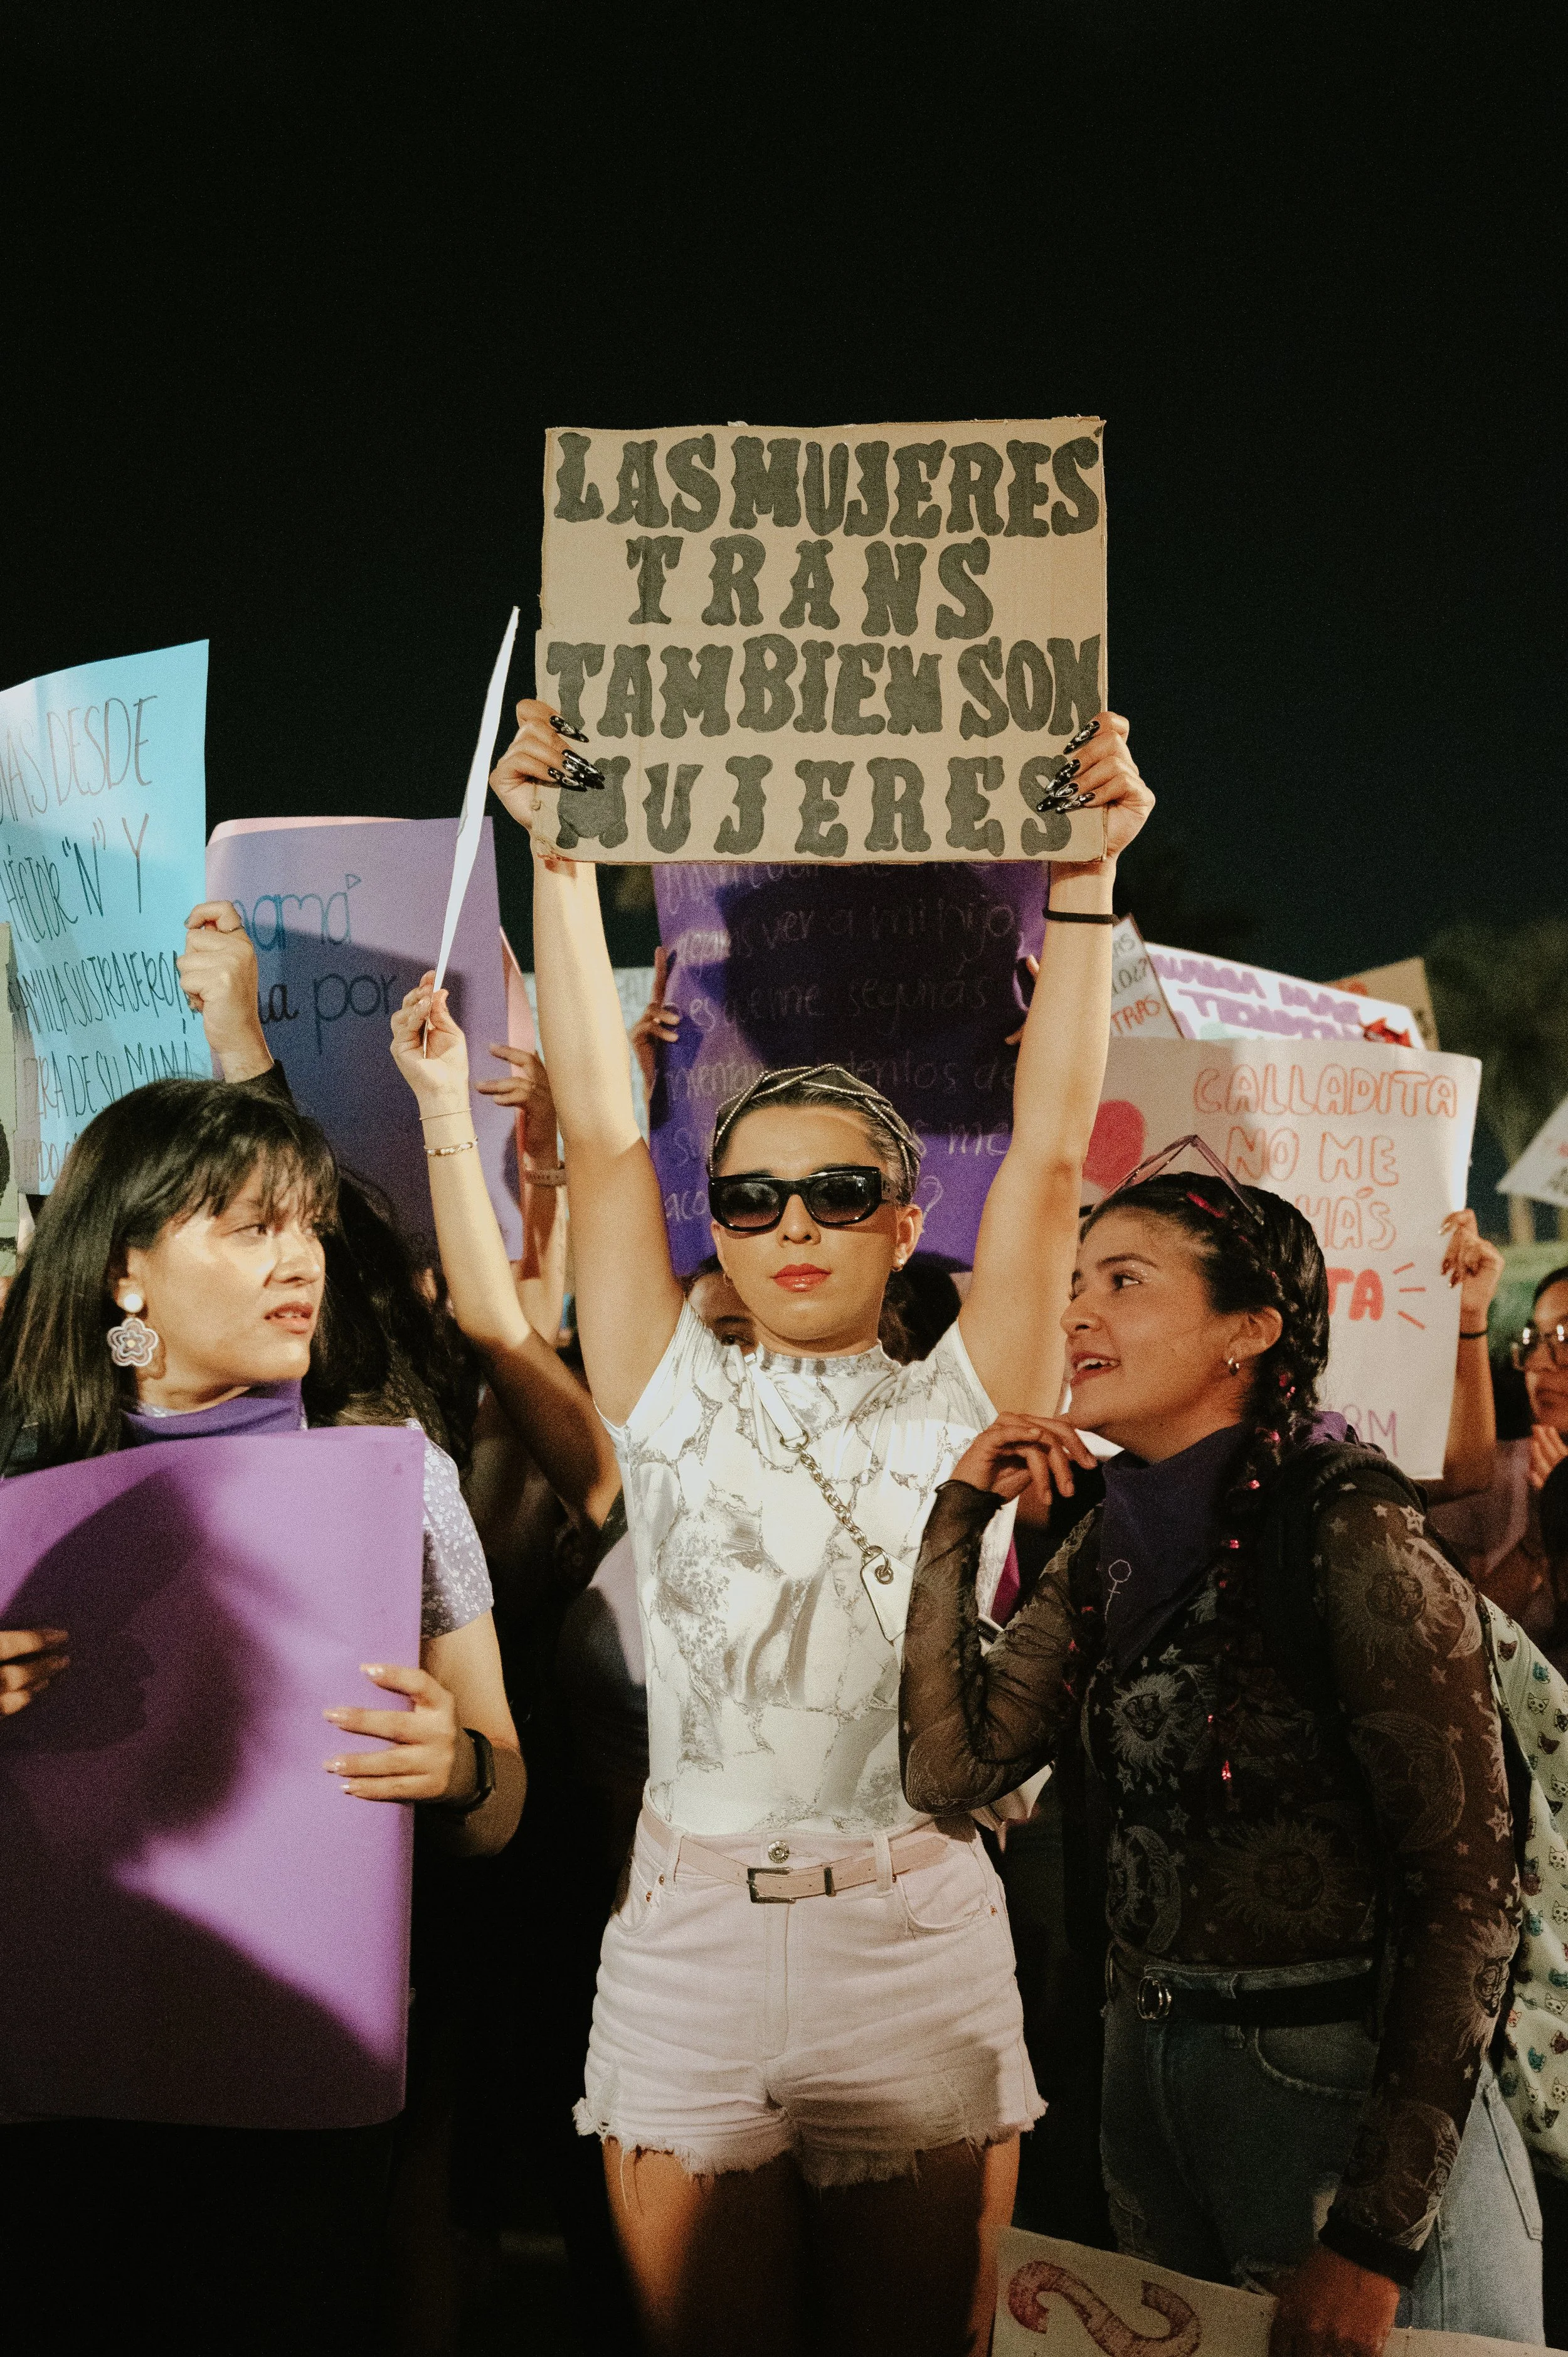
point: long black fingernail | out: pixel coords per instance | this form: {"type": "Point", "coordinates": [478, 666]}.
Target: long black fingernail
{"type": "Point", "coordinates": [1068, 769]}
{"type": "Point", "coordinates": [578, 785]}
{"type": "Point", "coordinates": [1085, 733]}
{"type": "Point", "coordinates": [564, 728]}
{"type": "Point", "coordinates": [583, 772]}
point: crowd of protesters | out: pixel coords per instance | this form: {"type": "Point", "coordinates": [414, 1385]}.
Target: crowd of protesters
{"type": "Point", "coordinates": [754, 1607]}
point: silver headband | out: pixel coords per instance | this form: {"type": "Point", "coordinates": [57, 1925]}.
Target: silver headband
{"type": "Point", "coordinates": [829, 1084]}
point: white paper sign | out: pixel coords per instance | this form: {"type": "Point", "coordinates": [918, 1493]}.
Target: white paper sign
{"type": "Point", "coordinates": [471, 823]}
{"type": "Point", "coordinates": [1374, 1148]}
{"type": "Point", "coordinates": [1226, 998]}
{"type": "Point", "coordinates": [1083, 2303]}
{"type": "Point", "coordinates": [1541, 1170]}
{"type": "Point", "coordinates": [1139, 1008]}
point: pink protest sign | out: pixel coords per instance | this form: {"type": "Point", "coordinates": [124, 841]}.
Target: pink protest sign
{"type": "Point", "coordinates": [345, 918]}
{"type": "Point", "coordinates": [197, 1925]}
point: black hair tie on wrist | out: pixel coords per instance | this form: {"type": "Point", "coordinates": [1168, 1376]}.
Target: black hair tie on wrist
{"type": "Point", "coordinates": [1075, 917]}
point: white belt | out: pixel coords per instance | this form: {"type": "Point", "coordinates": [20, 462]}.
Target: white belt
{"type": "Point", "coordinates": [704, 1860]}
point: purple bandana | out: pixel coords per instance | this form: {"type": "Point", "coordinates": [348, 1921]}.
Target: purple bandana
{"type": "Point", "coordinates": [265, 1408]}
{"type": "Point", "coordinates": [1161, 1530]}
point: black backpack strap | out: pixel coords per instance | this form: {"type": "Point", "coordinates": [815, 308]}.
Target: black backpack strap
{"type": "Point", "coordinates": [1285, 1578]}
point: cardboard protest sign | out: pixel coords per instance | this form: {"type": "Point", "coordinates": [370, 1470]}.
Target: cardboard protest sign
{"type": "Point", "coordinates": [1139, 1007]}
{"type": "Point", "coordinates": [1541, 1170]}
{"type": "Point", "coordinates": [1406, 984]}
{"type": "Point", "coordinates": [1226, 998]}
{"type": "Point", "coordinates": [102, 811]}
{"type": "Point", "coordinates": [345, 919]}
{"type": "Point", "coordinates": [895, 628]}
{"type": "Point", "coordinates": [1375, 1150]}
{"type": "Point", "coordinates": [912, 981]}
{"type": "Point", "coordinates": [1100, 2304]}
{"type": "Point", "coordinates": [198, 1926]}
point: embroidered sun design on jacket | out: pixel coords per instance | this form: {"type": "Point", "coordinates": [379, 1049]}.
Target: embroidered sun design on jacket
{"type": "Point", "coordinates": [1282, 1877]}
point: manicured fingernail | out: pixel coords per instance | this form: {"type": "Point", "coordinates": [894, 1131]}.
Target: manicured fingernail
{"type": "Point", "coordinates": [554, 776]}
{"type": "Point", "coordinates": [373, 1669]}
{"type": "Point", "coordinates": [564, 728]}
{"type": "Point", "coordinates": [333, 1767]}
{"type": "Point", "coordinates": [335, 1716]}
{"type": "Point", "coordinates": [577, 768]}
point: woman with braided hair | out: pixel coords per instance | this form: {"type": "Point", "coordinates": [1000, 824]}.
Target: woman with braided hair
{"type": "Point", "coordinates": [807, 2066]}
{"type": "Point", "coordinates": [1281, 1686]}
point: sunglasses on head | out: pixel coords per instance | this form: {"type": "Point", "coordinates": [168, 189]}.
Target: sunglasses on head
{"type": "Point", "coordinates": [1159, 1162]}
{"type": "Point", "coordinates": [750, 1202]}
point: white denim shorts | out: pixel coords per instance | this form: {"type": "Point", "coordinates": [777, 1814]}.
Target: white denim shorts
{"type": "Point", "coordinates": [853, 2031]}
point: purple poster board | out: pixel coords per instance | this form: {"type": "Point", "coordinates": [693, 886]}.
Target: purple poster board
{"type": "Point", "coordinates": [195, 1924]}
{"type": "Point", "coordinates": [910, 976]}
{"type": "Point", "coordinates": [345, 919]}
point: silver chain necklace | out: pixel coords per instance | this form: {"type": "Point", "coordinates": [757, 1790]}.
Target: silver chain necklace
{"type": "Point", "coordinates": [875, 1562]}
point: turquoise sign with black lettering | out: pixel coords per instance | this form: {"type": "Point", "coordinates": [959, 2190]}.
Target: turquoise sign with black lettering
{"type": "Point", "coordinates": [102, 823]}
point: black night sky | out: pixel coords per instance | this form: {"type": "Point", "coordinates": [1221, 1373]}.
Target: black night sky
{"type": "Point", "coordinates": [287, 311]}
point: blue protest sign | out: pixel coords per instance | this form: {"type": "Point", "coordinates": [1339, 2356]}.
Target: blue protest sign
{"type": "Point", "coordinates": [102, 821]}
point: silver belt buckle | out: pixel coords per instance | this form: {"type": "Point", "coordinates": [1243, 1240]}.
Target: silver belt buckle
{"type": "Point", "coordinates": [784, 1898]}
{"type": "Point", "coordinates": [1153, 2000]}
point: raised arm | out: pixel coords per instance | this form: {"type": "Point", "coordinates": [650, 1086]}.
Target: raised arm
{"type": "Point", "coordinates": [1028, 1232]}
{"type": "Point", "coordinates": [1474, 1266]}
{"type": "Point", "coordinates": [972, 1726]}
{"type": "Point", "coordinates": [550, 1412]}
{"type": "Point", "coordinates": [629, 1301]}
{"type": "Point", "coordinates": [218, 975]}
{"type": "Point", "coordinates": [541, 1274]}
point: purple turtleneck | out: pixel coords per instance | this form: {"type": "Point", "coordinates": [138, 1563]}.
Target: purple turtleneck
{"type": "Point", "coordinates": [265, 1408]}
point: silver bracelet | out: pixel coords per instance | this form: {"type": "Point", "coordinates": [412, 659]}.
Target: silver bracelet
{"type": "Point", "coordinates": [553, 1174]}
{"type": "Point", "coordinates": [435, 1153]}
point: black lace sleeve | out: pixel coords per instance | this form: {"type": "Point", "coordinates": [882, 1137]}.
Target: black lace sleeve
{"type": "Point", "coordinates": [1412, 1677]}
{"type": "Point", "coordinates": [972, 1726]}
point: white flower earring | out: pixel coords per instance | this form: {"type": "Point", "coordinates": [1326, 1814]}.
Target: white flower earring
{"type": "Point", "coordinates": [131, 1344]}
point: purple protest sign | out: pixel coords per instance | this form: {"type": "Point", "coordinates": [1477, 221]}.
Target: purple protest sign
{"type": "Point", "coordinates": [197, 1925]}
{"type": "Point", "coordinates": [910, 976]}
{"type": "Point", "coordinates": [345, 919]}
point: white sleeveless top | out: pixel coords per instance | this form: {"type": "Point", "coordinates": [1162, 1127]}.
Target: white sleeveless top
{"type": "Point", "coordinates": [772, 1688]}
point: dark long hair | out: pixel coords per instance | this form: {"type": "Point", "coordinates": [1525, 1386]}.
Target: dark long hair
{"type": "Point", "coordinates": [1270, 1262]}
{"type": "Point", "coordinates": [162, 1152]}
{"type": "Point", "coordinates": [387, 1349]}
{"type": "Point", "coordinates": [1273, 1262]}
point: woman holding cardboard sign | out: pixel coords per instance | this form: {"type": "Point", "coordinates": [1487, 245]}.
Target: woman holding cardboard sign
{"type": "Point", "coordinates": [810, 1984]}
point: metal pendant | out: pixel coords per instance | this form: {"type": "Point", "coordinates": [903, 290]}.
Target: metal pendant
{"type": "Point", "coordinates": [878, 1569]}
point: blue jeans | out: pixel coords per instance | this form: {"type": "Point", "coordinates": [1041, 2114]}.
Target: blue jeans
{"type": "Point", "coordinates": [1223, 2146]}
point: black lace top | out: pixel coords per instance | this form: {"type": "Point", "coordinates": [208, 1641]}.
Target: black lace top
{"type": "Point", "coordinates": [1283, 1864]}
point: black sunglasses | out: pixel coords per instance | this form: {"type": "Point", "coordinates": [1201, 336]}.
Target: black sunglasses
{"type": "Point", "coordinates": [750, 1202]}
